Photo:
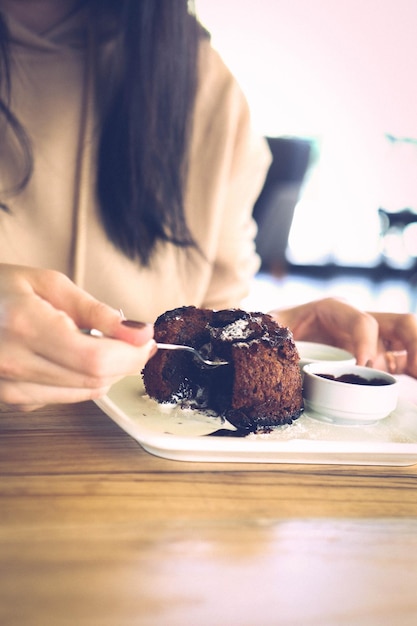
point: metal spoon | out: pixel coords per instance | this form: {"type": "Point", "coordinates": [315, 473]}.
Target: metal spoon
{"type": "Point", "coordinates": [194, 352]}
{"type": "Point", "coordinates": [167, 346]}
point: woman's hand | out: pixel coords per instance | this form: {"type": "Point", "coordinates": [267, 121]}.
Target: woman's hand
{"type": "Point", "coordinates": [386, 341]}
{"type": "Point", "coordinates": [44, 358]}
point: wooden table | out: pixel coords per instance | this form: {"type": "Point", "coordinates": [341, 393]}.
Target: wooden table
{"type": "Point", "coordinates": [95, 531]}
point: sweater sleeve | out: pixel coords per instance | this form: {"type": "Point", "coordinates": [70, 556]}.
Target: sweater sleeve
{"type": "Point", "coordinates": [229, 163]}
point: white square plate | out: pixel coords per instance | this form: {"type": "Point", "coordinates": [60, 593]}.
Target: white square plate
{"type": "Point", "coordinates": [181, 434]}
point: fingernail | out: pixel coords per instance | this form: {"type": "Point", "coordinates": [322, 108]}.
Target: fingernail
{"type": "Point", "coordinates": [134, 324]}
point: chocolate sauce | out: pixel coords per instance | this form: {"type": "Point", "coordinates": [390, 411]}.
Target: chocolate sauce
{"type": "Point", "coordinates": [225, 432]}
{"type": "Point", "coordinates": [356, 380]}
{"type": "Point", "coordinates": [240, 432]}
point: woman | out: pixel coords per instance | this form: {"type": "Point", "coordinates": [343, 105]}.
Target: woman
{"type": "Point", "coordinates": [128, 170]}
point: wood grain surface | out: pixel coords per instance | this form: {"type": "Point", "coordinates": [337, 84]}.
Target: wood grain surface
{"type": "Point", "coordinates": [95, 531]}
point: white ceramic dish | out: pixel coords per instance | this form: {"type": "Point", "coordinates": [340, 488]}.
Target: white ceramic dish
{"type": "Point", "coordinates": [311, 352]}
{"type": "Point", "coordinates": [348, 402]}
{"type": "Point", "coordinates": [180, 435]}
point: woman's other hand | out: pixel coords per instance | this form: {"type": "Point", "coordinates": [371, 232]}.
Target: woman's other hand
{"type": "Point", "coordinates": [44, 358]}
{"type": "Point", "coordinates": [386, 341]}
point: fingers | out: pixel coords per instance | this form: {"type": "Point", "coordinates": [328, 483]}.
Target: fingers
{"type": "Point", "coordinates": [56, 385]}
{"type": "Point", "coordinates": [335, 322]}
{"type": "Point", "coordinates": [89, 363]}
{"type": "Point", "coordinates": [133, 332]}
{"type": "Point", "coordinates": [394, 362]}
{"type": "Point", "coordinates": [28, 396]}
{"type": "Point", "coordinates": [43, 310]}
{"type": "Point", "coordinates": [398, 338]}
{"type": "Point", "coordinates": [93, 365]}
{"type": "Point", "coordinates": [300, 319]}
{"type": "Point", "coordinates": [361, 336]}
{"type": "Point", "coordinates": [386, 341]}
{"type": "Point", "coordinates": [89, 356]}
{"type": "Point", "coordinates": [44, 357]}
{"type": "Point", "coordinates": [86, 311]}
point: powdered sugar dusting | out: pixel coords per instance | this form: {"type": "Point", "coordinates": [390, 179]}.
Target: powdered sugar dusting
{"type": "Point", "coordinates": [237, 330]}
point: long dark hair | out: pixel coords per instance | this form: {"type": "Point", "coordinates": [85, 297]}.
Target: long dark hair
{"type": "Point", "coordinates": [145, 126]}
{"type": "Point", "coordinates": [11, 120]}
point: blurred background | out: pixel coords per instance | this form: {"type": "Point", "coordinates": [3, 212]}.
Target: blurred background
{"type": "Point", "coordinates": [332, 86]}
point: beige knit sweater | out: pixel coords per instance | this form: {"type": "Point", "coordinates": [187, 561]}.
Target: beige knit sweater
{"type": "Point", "coordinates": [54, 222]}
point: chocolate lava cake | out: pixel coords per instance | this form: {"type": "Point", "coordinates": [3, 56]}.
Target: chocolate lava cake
{"type": "Point", "coordinates": [261, 387]}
